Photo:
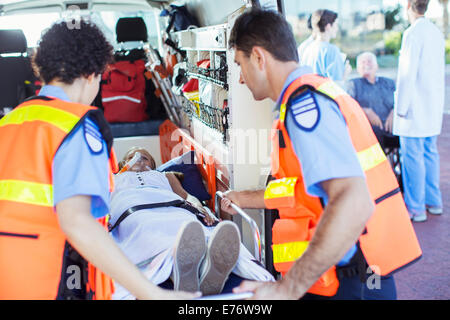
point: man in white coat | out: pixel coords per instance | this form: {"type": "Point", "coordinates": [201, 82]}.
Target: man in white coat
{"type": "Point", "coordinates": [419, 105]}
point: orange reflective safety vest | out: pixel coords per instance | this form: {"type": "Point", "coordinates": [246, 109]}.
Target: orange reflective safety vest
{"type": "Point", "coordinates": [34, 252]}
{"type": "Point", "coordinates": [388, 242]}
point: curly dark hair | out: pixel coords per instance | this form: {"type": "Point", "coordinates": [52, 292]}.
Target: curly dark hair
{"type": "Point", "coordinates": [66, 53]}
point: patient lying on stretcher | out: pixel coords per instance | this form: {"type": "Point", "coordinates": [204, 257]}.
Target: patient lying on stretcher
{"type": "Point", "coordinates": [156, 223]}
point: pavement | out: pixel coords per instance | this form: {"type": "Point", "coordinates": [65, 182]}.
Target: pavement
{"type": "Point", "coordinates": [429, 277]}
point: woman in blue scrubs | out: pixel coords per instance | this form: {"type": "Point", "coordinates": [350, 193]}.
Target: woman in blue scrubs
{"type": "Point", "coordinates": [323, 57]}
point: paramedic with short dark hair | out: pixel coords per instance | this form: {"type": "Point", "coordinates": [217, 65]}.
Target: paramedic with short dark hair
{"type": "Point", "coordinates": [57, 157]}
{"type": "Point", "coordinates": [339, 203]}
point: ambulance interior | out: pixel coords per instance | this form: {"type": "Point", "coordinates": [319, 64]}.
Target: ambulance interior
{"type": "Point", "coordinates": [194, 99]}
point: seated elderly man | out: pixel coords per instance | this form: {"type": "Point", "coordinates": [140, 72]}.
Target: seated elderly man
{"type": "Point", "coordinates": [376, 96]}
{"type": "Point", "coordinates": [156, 223]}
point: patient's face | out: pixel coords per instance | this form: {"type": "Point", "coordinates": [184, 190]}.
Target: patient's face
{"type": "Point", "coordinates": [145, 163]}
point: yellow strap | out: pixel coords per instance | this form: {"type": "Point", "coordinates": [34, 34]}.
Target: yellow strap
{"type": "Point", "coordinates": [289, 251]}
{"type": "Point", "coordinates": [62, 119]}
{"type": "Point", "coordinates": [331, 89]}
{"type": "Point", "coordinates": [371, 157]}
{"type": "Point", "coordinates": [39, 194]}
{"type": "Point", "coordinates": [282, 112]}
{"type": "Point", "coordinates": [281, 188]}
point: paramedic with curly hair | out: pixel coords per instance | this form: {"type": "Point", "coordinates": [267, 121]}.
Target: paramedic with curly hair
{"type": "Point", "coordinates": [55, 178]}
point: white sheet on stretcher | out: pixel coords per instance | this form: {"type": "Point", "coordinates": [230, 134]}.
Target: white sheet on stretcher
{"type": "Point", "coordinates": [160, 268]}
{"type": "Point", "coordinates": [150, 235]}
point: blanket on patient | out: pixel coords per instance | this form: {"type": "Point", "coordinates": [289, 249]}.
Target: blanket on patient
{"type": "Point", "coordinates": [147, 236]}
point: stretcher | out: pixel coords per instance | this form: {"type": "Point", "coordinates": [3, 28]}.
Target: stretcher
{"type": "Point", "coordinates": [253, 226]}
{"type": "Point", "coordinates": [174, 142]}
{"type": "Point", "coordinates": [162, 83]}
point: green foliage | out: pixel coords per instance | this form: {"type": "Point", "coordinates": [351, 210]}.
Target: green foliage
{"type": "Point", "coordinates": [447, 51]}
{"type": "Point", "coordinates": [387, 61]}
{"type": "Point", "coordinates": [392, 17]}
{"type": "Point", "coordinates": [354, 45]}
{"type": "Point", "coordinates": [392, 42]}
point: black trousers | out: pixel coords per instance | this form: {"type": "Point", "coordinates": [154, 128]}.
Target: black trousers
{"type": "Point", "coordinates": [386, 139]}
{"type": "Point", "coordinates": [351, 288]}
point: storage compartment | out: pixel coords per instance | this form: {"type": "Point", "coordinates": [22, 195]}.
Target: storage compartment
{"type": "Point", "coordinates": [221, 114]}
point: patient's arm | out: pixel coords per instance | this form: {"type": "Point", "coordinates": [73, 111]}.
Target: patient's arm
{"type": "Point", "coordinates": [175, 184]}
{"type": "Point", "coordinates": [179, 190]}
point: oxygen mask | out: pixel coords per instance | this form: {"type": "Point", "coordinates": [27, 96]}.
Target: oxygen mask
{"type": "Point", "coordinates": [139, 166]}
{"type": "Point", "coordinates": [132, 162]}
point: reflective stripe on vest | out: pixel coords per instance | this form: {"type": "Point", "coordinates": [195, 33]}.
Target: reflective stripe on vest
{"type": "Point", "coordinates": [331, 89]}
{"type": "Point", "coordinates": [39, 194]}
{"type": "Point", "coordinates": [368, 158]}
{"type": "Point", "coordinates": [291, 251]}
{"type": "Point", "coordinates": [281, 193]}
{"type": "Point", "coordinates": [280, 188]}
{"type": "Point", "coordinates": [371, 157]}
{"type": "Point", "coordinates": [389, 241]}
{"type": "Point", "coordinates": [26, 200]}
{"type": "Point", "coordinates": [59, 118]}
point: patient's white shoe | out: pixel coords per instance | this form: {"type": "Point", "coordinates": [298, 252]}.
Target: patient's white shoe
{"type": "Point", "coordinates": [221, 257]}
{"type": "Point", "coordinates": [190, 248]}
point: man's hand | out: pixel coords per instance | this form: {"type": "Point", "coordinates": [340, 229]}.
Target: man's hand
{"type": "Point", "coordinates": [249, 199]}
{"type": "Point", "coordinates": [389, 121]}
{"type": "Point", "coordinates": [175, 295]}
{"type": "Point", "coordinates": [230, 197]}
{"type": "Point", "coordinates": [374, 119]}
{"type": "Point", "coordinates": [267, 290]}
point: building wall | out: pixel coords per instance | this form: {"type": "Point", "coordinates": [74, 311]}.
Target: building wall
{"type": "Point", "coordinates": [343, 7]}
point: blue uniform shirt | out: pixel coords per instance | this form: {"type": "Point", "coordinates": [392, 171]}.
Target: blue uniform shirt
{"type": "Point", "coordinates": [324, 151]}
{"type": "Point", "coordinates": [76, 169]}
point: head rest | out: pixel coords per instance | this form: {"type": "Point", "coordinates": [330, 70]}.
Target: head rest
{"type": "Point", "coordinates": [12, 41]}
{"type": "Point", "coordinates": [131, 29]}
